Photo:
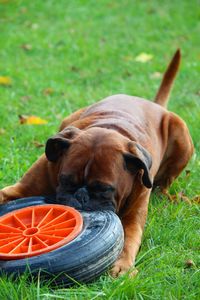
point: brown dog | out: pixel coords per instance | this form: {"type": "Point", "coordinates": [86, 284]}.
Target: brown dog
{"type": "Point", "coordinates": [111, 154]}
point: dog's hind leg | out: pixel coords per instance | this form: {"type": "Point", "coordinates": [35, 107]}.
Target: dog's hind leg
{"type": "Point", "coordinates": [178, 152]}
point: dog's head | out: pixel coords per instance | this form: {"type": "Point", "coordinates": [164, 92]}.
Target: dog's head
{"type": "Point", "coordinates": [97, 167]}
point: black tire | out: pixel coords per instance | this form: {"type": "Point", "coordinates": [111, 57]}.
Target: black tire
{"type": "Point", "coordinates": [90, 254]}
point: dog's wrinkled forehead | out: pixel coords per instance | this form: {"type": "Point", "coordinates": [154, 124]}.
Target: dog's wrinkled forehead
{"type": "Point", "coordinates": [72, 141]}
{"type": "Point", "coordinates": [98, 153]}
{"type": "Point", "coordinates": [94, 154]}
{"type": "Point", "coordinates": [88, 162]}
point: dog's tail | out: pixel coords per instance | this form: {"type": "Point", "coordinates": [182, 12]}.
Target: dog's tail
{"type": "Point", "coordinates": [168, 80]}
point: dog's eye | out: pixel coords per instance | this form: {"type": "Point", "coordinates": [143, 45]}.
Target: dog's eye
{"type": "Point", "coordinates": [101, 191]}
{"type": "Point", "coordinates": [68, 183]}
{"type": "Point", "coordinates": [70, 189]}
{"type": "Point", "coordinates": [101, 187]}
{"type": "Point", "coordinates": [106, 195]}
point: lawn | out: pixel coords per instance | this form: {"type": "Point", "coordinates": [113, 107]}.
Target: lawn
{"type": "Point", "coordinates": [63, 55]}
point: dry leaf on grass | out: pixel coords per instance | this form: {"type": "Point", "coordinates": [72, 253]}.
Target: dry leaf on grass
{"type": "Point", "coordinates": [4, 1]}
{"type": "Point", "coordinates": [31, 120]}
{"type": "Point", "coordinates": [143, 57]}
{"type": "Point", "coordinates": [38, 144]}
{"type": "Point", "coordinates": [156, 75]}
{"type": "Point", "coordinates": [26, 98]}
{"type": "Point", "coordinates": [128, 58]}
{"type": "Point", "coordinates": [34, 26]}
{"type": "Point", "coordinates": [24, 10]}
{"type": "Point", "coordinates": [187, 173]}
{"type": "Point", "coordinates": [196, 199]}
{"type": "Point", "coordinates": [182, 197]}
{"type": "Point", "coordinates": [5, 80]}
{"type": "Point", "coordinates": [59, 117]}
{"type": "Point", "coordinates": [74, 69]}
{"type": "Point", "coordinates": [189, 263]}
{"type": "Point", "coordinates": [177, 197]}
{"type": "Point", "coordinates": [2, 131]}
{"type": "Point", "coordinates": [26, 47]}
{"type": "Point", "coordinates": [48, 91]}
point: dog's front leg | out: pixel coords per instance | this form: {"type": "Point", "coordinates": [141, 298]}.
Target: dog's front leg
{"type": "Point", "coordinates": [133, 223]}
{"type": "Point", "coordinates": [40, 179]}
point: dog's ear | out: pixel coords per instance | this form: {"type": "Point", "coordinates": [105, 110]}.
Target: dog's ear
{"type": "Point", "coordinates": [57, 144]}
{"type": "Point", "coordinates": [137, 158]}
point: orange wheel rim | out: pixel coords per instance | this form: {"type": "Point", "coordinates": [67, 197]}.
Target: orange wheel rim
{"type": "Point", "coordinates": [37, 229]}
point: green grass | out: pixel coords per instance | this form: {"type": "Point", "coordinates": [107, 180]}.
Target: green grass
{"type": "Point", "coordinates": [85, 50]}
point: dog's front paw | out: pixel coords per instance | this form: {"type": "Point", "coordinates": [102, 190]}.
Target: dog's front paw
{"type": "Point", "coordinates": [122, 266]}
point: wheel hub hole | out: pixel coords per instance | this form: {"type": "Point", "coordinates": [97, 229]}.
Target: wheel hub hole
{"type": "Point", "coordinates": [30, 231]}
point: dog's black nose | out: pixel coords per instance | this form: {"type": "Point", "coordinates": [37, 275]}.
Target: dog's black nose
{"type": "Point", "coordinates": [82, 195]}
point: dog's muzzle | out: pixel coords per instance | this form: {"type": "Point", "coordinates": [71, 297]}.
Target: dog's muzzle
{"type": "Point", "coordinates": [82, 195]}
{"type": "Point", "coordinates": [81, 200]}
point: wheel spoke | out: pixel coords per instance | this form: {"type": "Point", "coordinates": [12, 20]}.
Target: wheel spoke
{"type": "Point", "coordinates": [6, 241]}
{"type": "Point", "coordinates": [45, 217]}
{"type": "Point", "coordinates": [18, 247]}
{"type": "Point", "coordinates": [11, 234]}
{"type": "Point", "coordinates": [10, 244]}
{"type": "Point", "coordinates": [30, 245]}
{"type": "Point", "coordinates": [33, 218]}
{"type": "Point", "coordinates": [41, 241]}
{"type": "Point", "coordinates": [50, 237]}
{"type": "Point", "coordinates": [65, 224]}
{"type": "Point", "coordinates": [55, 220]}
{"type": "Point", "coordinates": [8, 228]}
{"type": "Point", "coordinates": [59, 232]}
{"type": "Point", "coordinates": [19, 222]}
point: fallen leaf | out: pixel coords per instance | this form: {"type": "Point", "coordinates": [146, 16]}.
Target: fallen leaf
{"type": "Point", "coordinates": [4, 80]}
{"type": "Point", "coordinates": [4, 1]}
{"type": "Point", "coordinates": [196, 199]}
{"type": "Point", "coordinates": [26, 47]}
{"type": "Point", "coordinates": [34, 26]}
{"type": "Point", "coordinates": [72, 30]}
{"type": "Point", "coordinates": [48, 91]}
{"type": "Point", "coordinates": [156, 75]}
{"type": "Point", "coordinates": [38, 144]}
{"type": "Point", "coordinates": [172, 198]}
{"type": "Point", "coordinates": [128, 58]}
{"type": "Point", "coordinates": [23, 10]}
{"type": "Point", "coordinates": [74, 69]}
{"type": "Point", "coordinates": [187, 172]}
{"type": "Point", "coordinates": [127, 74]}
{"type": "Point", "coordinates": [102, 41]}
{"type": "Point", "coordinates": [143, 57]}
{"type": "Point", "coordinates": [2, 131]}
{"type": "Point", "coordinates": [151, 10]}
{"type": "Point", "coordinates": [183, 197]}
{"type": "Point", "coordinates": [177, 197]}
{"type": "Point", "coordinates": [26, 98]}
{"type": "Point", "coordinates": [59, 116]}
{"type": "Point", "coordinates": [31, 120]}
{"type": "Point", "coordinates": [189, 263]}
